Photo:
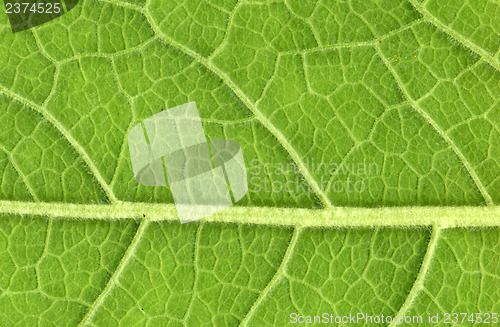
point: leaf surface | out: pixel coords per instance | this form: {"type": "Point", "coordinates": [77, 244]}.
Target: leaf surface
{"type": "Point", "coordinates": [397, 98]}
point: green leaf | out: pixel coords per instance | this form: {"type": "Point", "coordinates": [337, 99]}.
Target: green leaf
{"type": "Point", "coordinates": [397, 98]}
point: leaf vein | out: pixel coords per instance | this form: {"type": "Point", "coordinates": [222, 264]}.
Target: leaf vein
{"type": "Point", "coordinates": [258, 114]}
{"type": "Point", "coordinates": [438, 129]}
{"type": "Point", "coordinates": [276, 278]}
{"type": "Point", "coordinates": [455, 35]}
{"type": "Point", "coordinates": [113, 280]}
{"type": "Point", "coordinates": [418, 285]}
{"type": "Point", "coordinates": [67, 135]}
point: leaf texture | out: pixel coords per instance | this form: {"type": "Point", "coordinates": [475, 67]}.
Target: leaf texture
{"type": "Point", "coordinates": [401, 97]}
